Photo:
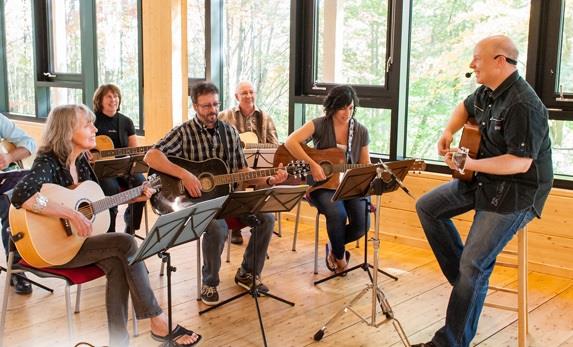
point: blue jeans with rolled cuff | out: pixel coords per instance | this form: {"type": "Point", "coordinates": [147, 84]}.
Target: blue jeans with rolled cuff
{"type": "Point", "coordinates": [466, 266]}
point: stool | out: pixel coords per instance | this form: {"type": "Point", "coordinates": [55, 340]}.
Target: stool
{"type": "Point", "coordinates": [521, 292]}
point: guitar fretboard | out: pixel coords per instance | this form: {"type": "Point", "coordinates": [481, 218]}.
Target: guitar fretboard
{"type": "Point", "coordinates": [260, 145]}
{"type": "Point", "coordinates": [344, 167]}
{"type": "Point", "coordinates": [117, 199]}
{"type": "Point", "coordinates": [244, 176]}
{"type": "Point", "coordinates": [124, 151]}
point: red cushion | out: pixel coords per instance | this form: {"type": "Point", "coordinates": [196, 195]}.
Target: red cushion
{"type": "Point", "coordinates": [234, 223]}
{"type": "Point", "coordinates": [76, 275]}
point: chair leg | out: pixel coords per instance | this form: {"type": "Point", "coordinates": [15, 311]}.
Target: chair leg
{"type": "Point", "coordinates": [296, 221]}
{"type": "Point", "coordinates": [229, 236]}
{"type": "Point", "coordinates": [135, 325]}
{"type": "Point", "coordinates": [199, 269]}
{"type": "Point", "coordinates": [279, 224]}
{"type": "Point", "coordinates": [316, 225]}
{"type": "Point", "coordinates": [69, 312]}
{"type": "Point", "coordinates": [146, 219]}
{"type": "Point", "coordinates": [5, 297]}
{"type": "Point", "coordinates": [522, 304]}
{"type": "Point", "coordinates": [78, 295]}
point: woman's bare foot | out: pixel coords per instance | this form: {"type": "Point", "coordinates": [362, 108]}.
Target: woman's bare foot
{"type": "Point", "coordinates": [160, 327]}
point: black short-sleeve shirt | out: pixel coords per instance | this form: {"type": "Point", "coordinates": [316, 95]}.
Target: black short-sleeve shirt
{"type": "Point", "coordinates": [512, 120]}
{"type": "Point", "coordinates": [118, 128]}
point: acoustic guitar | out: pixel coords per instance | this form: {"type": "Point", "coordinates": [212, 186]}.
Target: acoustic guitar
{"type": "Point", "coordinates": [250, 140]}
{"type": "Point", "coordinates": [332, 161]}
{"type": "Point", "coordinates": [50, 241]}
{"type": "Point", "coordinates": [215, 180]}
{"type": "Point", "coordinates": [7, 147]}
{"type": "Point", "coordinates": [469, 146]}
{"type": "Point", "coordinates": [105, 149]}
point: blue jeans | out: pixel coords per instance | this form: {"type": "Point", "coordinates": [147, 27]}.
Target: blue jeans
{"type": "Point", "coordinates": [339, 232]}
{"type": "Point", "coordinates": [114, 185]}
{"type": "Point", "coordinates": [467, 267]}
{"type": "Point", "coordinates": [214, 241]}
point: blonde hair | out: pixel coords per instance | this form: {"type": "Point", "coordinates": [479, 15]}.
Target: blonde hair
{"type": "Point", "coordinates": [102, 91]}
{"type": "Point", "coordinates": [59, 130]}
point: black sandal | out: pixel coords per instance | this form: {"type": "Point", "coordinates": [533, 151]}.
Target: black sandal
{"type": "Point", "coordinates": [175, 334]}
{"type": "Point", "coordinates": [330, 265]}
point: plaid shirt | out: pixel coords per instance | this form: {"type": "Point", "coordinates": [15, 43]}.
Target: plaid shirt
{"type": "Point", "coordinates": [193, 141]}
{"type": "Point", "coordinates": [259, 123]}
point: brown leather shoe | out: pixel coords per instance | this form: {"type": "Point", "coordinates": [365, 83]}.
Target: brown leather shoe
{"type": "Point", "coordinates": [427, 344]}
{"type": "Point", "coordinates": [236, 237]}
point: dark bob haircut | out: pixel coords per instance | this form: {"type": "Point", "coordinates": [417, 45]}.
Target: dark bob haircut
{"type": "Point", "coordinates": [338, 98]}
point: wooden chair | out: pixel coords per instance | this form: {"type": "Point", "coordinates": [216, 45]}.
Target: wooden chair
{"type": "Point", "coordinates": [521, 292]}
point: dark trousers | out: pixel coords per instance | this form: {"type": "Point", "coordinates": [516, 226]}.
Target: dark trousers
{"type": "Point", "coordinates": [114, 185]}
{"type": "Point", "coordinates": [4, 209]}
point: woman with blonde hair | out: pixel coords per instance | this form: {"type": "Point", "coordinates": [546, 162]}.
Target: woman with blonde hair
{"type": "Point", "coordinates": [61, 159]}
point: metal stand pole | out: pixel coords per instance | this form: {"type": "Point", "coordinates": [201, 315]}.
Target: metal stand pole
{"type": "Point", "coordinates": [378, 296]}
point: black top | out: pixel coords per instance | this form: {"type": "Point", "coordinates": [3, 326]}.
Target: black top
{"type": "Point", "coordinates": [324, 136]}
{"type": "Point", "coordinates": [119, 128]}
{"type": "Point", "coordinates": [512, 120]}
{"type": "Point", "coordinates": [48, 169]}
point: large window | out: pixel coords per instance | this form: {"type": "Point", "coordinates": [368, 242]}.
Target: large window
{"type": "Point", "coordinates": [19, 56]}
{"type": "Point", "coordinates": [118, 51]}
{"type": "Point", "coordinates": [351, 42]}
{"type": "Point", "coordinates": [58, 51]}
{"type": "Point", "coordinates": [441, 49]}
{"type": "Point", "coordinates": [196, 47]}
{"type": "Point", "coordinates": [256, 48]}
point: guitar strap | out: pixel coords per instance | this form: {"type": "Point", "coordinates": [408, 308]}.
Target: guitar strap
{"type": "Point", "coordinates": [350, 135]}
{"type": "Point", "coordinates": [223, 135]}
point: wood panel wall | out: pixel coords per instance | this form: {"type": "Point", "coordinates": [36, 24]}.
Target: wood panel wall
{"type": "Point", "coordinates": [550, 238]}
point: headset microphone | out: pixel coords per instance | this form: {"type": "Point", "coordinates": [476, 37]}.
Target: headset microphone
{"type": "Point", "coordinates": [469, 74]}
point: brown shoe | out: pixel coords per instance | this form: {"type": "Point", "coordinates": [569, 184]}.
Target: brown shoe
{"type": "Point", "coordinates": [236, 237]}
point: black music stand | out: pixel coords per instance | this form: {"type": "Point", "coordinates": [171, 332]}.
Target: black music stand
{"type": "Point", "coordinates": [274, 199]}
{"type": "Point", "coordinates": [174, 229]}
{"type": "Point", "coordinates": [372, 180]}
{"type": "Point", "coordinates": [125, 166]}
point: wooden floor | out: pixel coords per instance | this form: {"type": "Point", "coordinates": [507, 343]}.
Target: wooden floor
{"type": "Point", "coordinates": [418, 300]}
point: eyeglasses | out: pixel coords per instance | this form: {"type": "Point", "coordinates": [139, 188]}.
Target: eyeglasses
{"type": "Point", "coordinates": [509, 60]}
{"type": "Point", "coordinates": [209, 106]}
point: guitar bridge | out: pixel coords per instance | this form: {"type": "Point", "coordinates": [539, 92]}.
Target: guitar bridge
{"type": "Point", "coordinates": [67, 226]}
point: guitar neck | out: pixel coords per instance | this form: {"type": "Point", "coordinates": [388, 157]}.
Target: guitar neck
{"type": "Point", "coordinates": [260, 145]}
{"type": "Point", "coordinates": [243, 176]}
{"type": "Point", "coordinates": [344, 167]}
{"type": "Point", "coordinates": [124, 151]}
{"type": "Point", "coordinates": [115, 200]}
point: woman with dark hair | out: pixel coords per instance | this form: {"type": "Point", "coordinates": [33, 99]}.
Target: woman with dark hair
{"type": "Point", "coordinates": [68, 134]}
{"type": "Point", "coordinates": [345, 220]}
{"type": "Point", "coordinates": [121, 131]}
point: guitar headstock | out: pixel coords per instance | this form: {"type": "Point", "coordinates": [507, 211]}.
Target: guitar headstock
{"type": "Point", "coordinates": [154, 181]}
{"type": "Point", "coordinates": [418, 166]}
{"type": "Point", "coordinates": [298, 168]}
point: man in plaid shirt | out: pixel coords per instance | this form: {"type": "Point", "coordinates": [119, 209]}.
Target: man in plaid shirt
{"type": "Point", "coordinates": [204, 137]}
{"type": "Point", "coordinates": [247, 117]}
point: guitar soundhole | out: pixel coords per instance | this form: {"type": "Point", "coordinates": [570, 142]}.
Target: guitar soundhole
{"type": "Point", "coordinates": [327, 168]}
{"type": "Point", "coordinates": [207, 182]}
{"type": "Point", "coordinates": [85, 208]}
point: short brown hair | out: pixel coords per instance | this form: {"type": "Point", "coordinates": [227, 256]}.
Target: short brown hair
{"type": "Point", "coordinates": [101, 91]}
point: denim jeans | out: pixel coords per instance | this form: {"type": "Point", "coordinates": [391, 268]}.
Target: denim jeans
{"type": "Point", "coordinates": [111, 252]}
{"type": "Point", "coordinates": [114, 185]}
{"type": "Point", "coordinates": [339, 232]}
{"type": "Point", "coordinates": [214, 241]}
{"type": "Point", "coordinates": [467, 267]}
